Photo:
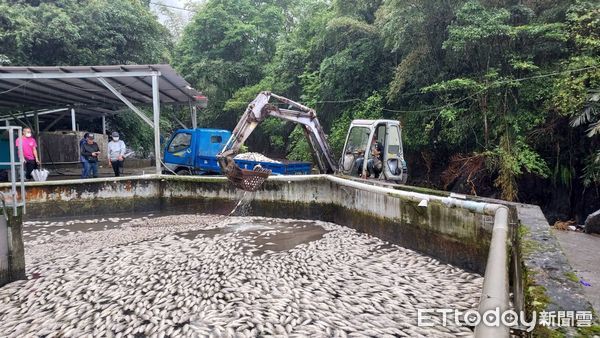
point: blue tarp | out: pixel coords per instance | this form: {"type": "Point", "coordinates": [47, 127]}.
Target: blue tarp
{"type": "Point", "coordinates": [4, 153]}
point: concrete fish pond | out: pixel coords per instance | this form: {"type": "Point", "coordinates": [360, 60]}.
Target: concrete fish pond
{"type": "Point", "coordinates": [219, 276]}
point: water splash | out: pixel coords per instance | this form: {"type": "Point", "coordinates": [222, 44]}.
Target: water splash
{"type": "Point", "coordinates": [243, 207]}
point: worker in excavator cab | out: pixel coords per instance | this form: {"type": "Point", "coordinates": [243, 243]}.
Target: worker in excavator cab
{"type": "Point", "coordinates": [375, 162]}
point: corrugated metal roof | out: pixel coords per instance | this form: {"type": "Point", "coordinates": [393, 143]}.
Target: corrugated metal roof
{"type": "Point", "coordinates": [36, 88]}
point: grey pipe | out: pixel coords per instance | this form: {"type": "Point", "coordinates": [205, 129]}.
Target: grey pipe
{"type": "Point", "coordinates": [4, 238]}
{"type": "Point", "coordinates": [494, 294]}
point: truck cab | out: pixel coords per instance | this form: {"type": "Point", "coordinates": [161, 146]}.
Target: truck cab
{"type": "Point", "coordinates": [193, 151]}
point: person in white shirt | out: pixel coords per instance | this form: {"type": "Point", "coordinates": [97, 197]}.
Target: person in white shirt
{"type": "Point", "coordinates": [116, 153]}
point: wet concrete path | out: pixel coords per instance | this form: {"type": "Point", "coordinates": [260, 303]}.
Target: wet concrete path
{"type": "Point", "coordinates": [583, 252]}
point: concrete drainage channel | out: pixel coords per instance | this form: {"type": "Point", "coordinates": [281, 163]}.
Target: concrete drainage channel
{"type": "Point", "coordinates": [473, 235]}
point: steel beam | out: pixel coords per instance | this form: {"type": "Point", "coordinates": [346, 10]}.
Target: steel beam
{"type": "Point", "coordinates": [76, 75]}
{"type": "Point", "coordinates": [127, 102]}
{"type": "Point", "coordinates": [156, 111]}
{"type": "Point", "coordinates": [180, 123]}
{"type": "Point", "coordinates": [191, 97]}
{"type": "Point", "coordinates": [53, 123]}
{"type": "Point", "coordinates": [73, 125]}
{"type": "Point", "coordinates": [142, 80]}
{"type": "Point", "coordinates": [44, 88]}
{"type": "Point", "coordinates": [194, 117]}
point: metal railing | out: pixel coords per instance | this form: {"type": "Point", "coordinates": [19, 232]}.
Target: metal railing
{"type": "Point", "coordinates": [15, 198]}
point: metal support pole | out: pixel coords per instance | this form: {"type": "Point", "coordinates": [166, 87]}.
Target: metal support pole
{"type": "Point", "coordinates": [7, 123]}
{"type": "Point", "coordinates": [36, 123]}
{"type": "Point", "coordinates": [73, 125]}
{"type": "Point", "coordinates": [13, 173]}
{"type": "Point", "coordinates": [103, 125]}
{"type": "Point", "coordinates": [194, 117]}
{"type": "Point", "coordinates": [156, 113]}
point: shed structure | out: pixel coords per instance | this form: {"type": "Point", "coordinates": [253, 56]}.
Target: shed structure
{"type": "Point", "coordinates": [49, 94]}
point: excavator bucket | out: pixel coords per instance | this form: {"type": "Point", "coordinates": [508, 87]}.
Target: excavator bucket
{"type": "Point", "coordinates": [249, 180]}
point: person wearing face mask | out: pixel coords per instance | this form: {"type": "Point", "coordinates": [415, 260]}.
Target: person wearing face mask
{"type": "Point", "coordinates": [30, 154]}
{"type": "Point", "coordinates": [116, 153]}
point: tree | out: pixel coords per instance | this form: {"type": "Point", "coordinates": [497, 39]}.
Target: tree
{"type": "Point", "coordinates": [226, 47]}
{"type": "Point", "coordinates": [68, 32]}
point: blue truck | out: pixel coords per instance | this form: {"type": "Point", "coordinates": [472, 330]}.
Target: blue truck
{"type": "Point", "coordinates": [194, 152]}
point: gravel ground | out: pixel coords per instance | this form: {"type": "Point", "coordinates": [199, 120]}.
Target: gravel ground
{"type": "Point", "coordinates": [209, 275]}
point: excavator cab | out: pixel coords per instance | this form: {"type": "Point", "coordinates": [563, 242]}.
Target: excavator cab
{"type": "Point", "coordinates": [360, 158]}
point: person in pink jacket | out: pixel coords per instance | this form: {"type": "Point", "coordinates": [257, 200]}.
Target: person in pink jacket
{"type": "Point", "coordinates": [30, 154]}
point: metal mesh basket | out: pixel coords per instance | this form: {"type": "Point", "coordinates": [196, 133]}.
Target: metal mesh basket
{"type": "Point", "coordinates": [253, 179]}
{"type": "Point", "coordinates": [249, 180]}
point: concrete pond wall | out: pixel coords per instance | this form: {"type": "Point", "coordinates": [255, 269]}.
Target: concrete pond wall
{"type": "Point", "coordinates": [452, 235]}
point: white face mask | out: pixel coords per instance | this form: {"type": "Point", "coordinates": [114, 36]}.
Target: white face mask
{"type": "Point", "coordinates": [115, 139]}
{"type": "Point", "coordinates": [27, 134]}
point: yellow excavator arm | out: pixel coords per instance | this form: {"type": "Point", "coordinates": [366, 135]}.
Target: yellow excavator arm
{"type": "Point", "coordinates": [256, 112]}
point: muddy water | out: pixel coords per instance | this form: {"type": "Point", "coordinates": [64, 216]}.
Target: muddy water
{"type": "Point", "coordinates": [268, 236]}
{"type": "Point", "coordinates": [41, 230]}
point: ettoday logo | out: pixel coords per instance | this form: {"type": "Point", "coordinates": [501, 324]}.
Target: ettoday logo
{"type": "Point", "coordinates": [509, 318]}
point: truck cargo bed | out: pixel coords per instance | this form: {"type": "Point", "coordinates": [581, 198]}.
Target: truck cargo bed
{"type": "Point", "coordinates": [283, 168]}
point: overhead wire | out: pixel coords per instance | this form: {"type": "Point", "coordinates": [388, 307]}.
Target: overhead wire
{"type": "Point", "coordinates": [447, 105]}
{"type": "Point", "coordinates": [489, 86]}
{"type": "Point", "coordinates": [173, 7]}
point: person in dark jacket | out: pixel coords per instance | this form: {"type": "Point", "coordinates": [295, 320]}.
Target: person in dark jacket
{"type": "Point", "coordinates": [374, 164]}
{"type": "Point", "coordinates": [85, 165]}
{"type": "Point", "coordinates": [90, 151]}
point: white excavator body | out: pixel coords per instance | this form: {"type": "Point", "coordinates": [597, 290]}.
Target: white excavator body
{"type": "Point", "coordinates": [388, 132]}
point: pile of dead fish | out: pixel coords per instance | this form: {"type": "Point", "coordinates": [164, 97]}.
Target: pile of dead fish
{"type": "Point", "coordinates": [216, 284]}
{"type": "Point", "coordinates": [64, 238]}
{"type": "Point", "coordinates": [257, 157]}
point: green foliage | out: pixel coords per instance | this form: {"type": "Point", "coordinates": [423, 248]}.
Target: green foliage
{"type": "Point", "coordinates": [585, 26]}
{"type": "Point", "coordinates": [591, 171]}
{"type": "Point", "coordinates": [352, 61]}
{"type": "Point", "coordinates": [476, 25]}
{"type": "Point", "coordinates": [300, 149]}
{"type": "Point", "coordinates": [511, 159]}
{"type": "Point", "coordinates": [570, 92]}
{"type": "Point", "coordinates": [226, 47]}
{"type": "Point", "coordinates": [370, 109]}
{"type": "Point", "coordinates": [361, 9]}
{"type": "Point", "coordinates": [70, 32]}
{"type": "Point", "coordinates": [454, 84]}
{"type": "Point", "coordinates": [463, 76]}
{"type": "Point", "coordinates": [311, 87]}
